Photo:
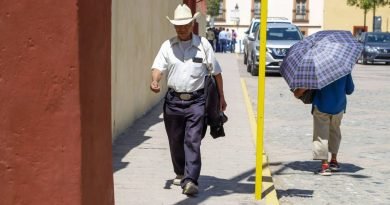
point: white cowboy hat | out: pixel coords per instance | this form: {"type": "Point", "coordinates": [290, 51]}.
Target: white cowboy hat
{"type": "Point", "coordinates": [183, 15]}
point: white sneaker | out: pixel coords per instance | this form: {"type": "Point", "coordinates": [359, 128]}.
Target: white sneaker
{"type": "Point", "coordinates": [177, 180]}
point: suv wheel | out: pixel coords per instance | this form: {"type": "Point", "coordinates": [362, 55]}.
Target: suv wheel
{"type": "Point", "coordinates": [245, 58]}
{"type": "Point", "coordinates": [254, 69]}
{"type": "Point", "coordinates": [248, 67]}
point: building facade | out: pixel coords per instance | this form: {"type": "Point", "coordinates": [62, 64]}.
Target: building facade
{"type": "Point", "coordinates": [309, 15]}
{"type": "Point", "coordinates": [338, 15]}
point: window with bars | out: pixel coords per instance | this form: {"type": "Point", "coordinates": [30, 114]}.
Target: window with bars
{"type": "Point", "coordinates": [301, 10]}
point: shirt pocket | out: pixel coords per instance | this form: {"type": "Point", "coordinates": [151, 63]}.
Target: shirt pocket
{"type": "Point", "coordinates": [197, 69]}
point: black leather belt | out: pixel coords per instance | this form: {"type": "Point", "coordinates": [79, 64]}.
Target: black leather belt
{"type": "Point", "coordinates": [187, 95]}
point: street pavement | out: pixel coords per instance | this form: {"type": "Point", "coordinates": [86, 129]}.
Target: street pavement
{"type": "Point", "coordinates": [365, 147]}
{"type": "Point", "coordinates": [142, 166]}
{"type": "Point", "coordinates": [143, 171]}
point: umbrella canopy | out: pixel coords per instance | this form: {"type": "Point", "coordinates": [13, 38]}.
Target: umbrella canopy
{"type": "Point", "coordinates": [320, 59]}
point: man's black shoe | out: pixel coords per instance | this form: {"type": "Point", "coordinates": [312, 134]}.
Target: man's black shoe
{"type": "Point", "coordinates": [190, 188]}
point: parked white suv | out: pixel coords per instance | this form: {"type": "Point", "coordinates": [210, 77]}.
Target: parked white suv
{"type": "Point", "coordinates": [280, 37]}
{"type": "Point", "coordinates": [254, 27]}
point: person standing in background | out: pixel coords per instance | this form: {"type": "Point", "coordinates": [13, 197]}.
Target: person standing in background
{"type": "Point", "coordinates": [234, 41]}
{"type": "Point", "coordinates": [217, 43]}
{"type": "Point", "coordinates": [210, 36]}
{"type": "Point", "coordinates": [228, 40]}
{"type": "Point", "coordinates": [222, 40]}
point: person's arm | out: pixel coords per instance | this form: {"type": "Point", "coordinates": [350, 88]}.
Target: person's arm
{"type": "Point", "coordinates": [156, 77]}
{"type": "Point", "coordinates": [160, 65]}
{"type": "Point", "coordinates": [222, 101]}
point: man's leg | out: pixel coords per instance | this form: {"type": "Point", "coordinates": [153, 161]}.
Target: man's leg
{"type": "Point", "coordinates": [321, 123]}
{"type": "Point", "coordinates": [194, 128]}
{"type": "Point", "coordinates": [223, 45]}
{"type": "Point", "coordinates": [174, 126]}
{"type": "Point", "coordinates": [334, 140]}
{"type": "Point", "coordinates": [335, 133]}
{"type": "Point", "coordinates": [320, 140]}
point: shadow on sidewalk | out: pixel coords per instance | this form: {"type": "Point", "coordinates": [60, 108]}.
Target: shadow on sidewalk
{"type": "Point", "coordinates": [313, 166]}
{"type": "Point", "coordinates": [216, 187]}
{"type": "Point", "coordinates": [134, 136]}
{"type": "Point", "coordinates": [310, 167]}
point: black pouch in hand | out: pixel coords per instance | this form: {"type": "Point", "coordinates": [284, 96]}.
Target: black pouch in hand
{"type": "Point", "coordinates": [215, 118]}
{"type": "Point", "coordinates": [218, 130]}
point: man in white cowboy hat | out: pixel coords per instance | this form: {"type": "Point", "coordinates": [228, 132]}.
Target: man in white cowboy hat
{"type": "Point", "coordinates": [184, 58]}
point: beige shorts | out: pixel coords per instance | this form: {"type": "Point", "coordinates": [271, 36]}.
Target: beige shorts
{"type": "Point", "coordinates": [326, 134]}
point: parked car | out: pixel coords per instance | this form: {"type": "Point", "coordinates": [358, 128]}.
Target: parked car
{"type": "Point", "coordinates": [252, 29]}
{"type": "Point", "coordinates": [376, 47]}
{"type": "Point", "coordinates": [280, 37]}
{"type": "Point", "coordinates": [254, 26]}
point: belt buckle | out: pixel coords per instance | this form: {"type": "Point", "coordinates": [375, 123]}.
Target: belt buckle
{"type": "Point", "coordinates": [185, 96]}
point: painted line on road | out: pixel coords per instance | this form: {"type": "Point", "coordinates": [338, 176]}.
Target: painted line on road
{"type": "Point", "coordinates": [268, 191]}
{"type": "Point", "coordinates": [251, 114]}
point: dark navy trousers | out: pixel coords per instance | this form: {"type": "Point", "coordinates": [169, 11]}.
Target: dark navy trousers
{"type": "Point", "coordinates": [185, 126]}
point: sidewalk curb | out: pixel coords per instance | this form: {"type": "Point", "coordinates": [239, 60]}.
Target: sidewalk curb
{"type": "Point", "coordinates": [269, 191]}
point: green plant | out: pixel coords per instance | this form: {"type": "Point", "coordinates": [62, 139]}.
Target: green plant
{"type": "Point", "coordinates": [213, 7]}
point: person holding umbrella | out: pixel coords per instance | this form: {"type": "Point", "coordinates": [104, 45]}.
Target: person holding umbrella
{"type": "Point", "coordinates": [323, 63]}
{"type": "Point", "coordinates": [329, 105]}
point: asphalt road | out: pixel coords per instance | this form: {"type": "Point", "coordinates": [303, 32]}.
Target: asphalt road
{"type": "Point", "coordinates": [365, 147]}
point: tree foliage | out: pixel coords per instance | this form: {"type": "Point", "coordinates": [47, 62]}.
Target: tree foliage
{"type": "Point", "coordinates": [368, 4]}
{"type": "Point", "coordinates": [363, 4]}
{"type": "Point", "coordinates": [213, 7]}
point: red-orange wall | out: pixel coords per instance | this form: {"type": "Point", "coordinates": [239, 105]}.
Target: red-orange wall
{"type": "Point", "coordinates": [55, 129]}
{"type": "Point", "coordinates": [95, 91]}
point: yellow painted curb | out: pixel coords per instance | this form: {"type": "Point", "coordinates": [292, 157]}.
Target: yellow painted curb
{"type": "Point", "coordinates": [268, 192]}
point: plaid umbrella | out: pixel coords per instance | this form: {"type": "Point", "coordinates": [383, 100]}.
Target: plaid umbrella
{"type": "Point", "coordinates": [320, 59]}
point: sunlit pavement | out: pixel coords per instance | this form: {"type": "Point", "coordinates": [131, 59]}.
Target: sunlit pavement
{"type": "Point", "coordinates": [365, 146]}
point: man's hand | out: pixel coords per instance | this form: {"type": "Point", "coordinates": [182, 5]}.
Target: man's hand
{"type": "Point", "coordinates": [222, 103]}
{"type": "Point", "coordinates": [155, 87]}
{"type": "Point", "coordinates": [299, 92]}
{"type": "Point", "coordinates": [156, 76]}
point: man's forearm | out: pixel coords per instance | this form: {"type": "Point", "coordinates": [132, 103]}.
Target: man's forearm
{"type": "Point", "coordinates": [156, 75]}
{"type": "Point", "coordinates": [219, 80]}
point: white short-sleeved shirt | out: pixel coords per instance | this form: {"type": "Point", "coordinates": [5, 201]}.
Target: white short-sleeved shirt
{"type": "Point", "coordinates": [186, 69]}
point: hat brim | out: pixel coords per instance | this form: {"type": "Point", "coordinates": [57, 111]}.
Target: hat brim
{"type": "Point", "coordinates": [183, 21]}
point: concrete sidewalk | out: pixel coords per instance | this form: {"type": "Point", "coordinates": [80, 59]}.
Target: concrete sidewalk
{"type": "Point", "coordinates": [142, 166]}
